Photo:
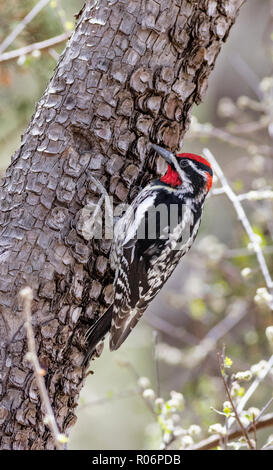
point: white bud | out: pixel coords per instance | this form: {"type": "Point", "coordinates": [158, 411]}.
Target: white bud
{"type": "Point", "coordinates": [29, 356]}
{"type": "Point", "coordinates": [148, 394]}
{"type": "Point", "coordinates": [21, 60]}
{"type": "Point", "coordinates": [176, 402]}
{"type": "Point", "coordinates": [227, 404]}
{"type": "Point", "coordinates": [186, 441]}
{"type": "Point", "coordinates": [177, 396]}
{"type": "Point", "coordinates": [235, 445]}
{"type": "Point", "coordinates": [253, 411]}
{"type": "Point", "coordinates": [246, 272]}
{"type": "Point", "coordinates": [244, 376]}
{"type": "Point", "coordinates": [263, 296]}
{"type": "Point", "coordinates": [26, 293]}
{"type": "Point", "coordinates": [259, 368]}
{"type": "Point", "coordinates": [179, 431]}
{"type": "Point", "coordinates": [169, 424]}
{"type": "Point", "coordinates": [217, 428]}
{"type": "Point", "coordinates": [269, 334]}
{"type": "Point", "coordinates": [144, 382]}
{"type": "Point", "coordinates": [36, 53]}
{"type": "Point", "coordinates": [226, 108]}
{"type": "Point", "coordinates": [266, 84]}
{"type": "Point", "coordinates": [244, 442]}
{"type": "Point", "coordinates": [242, 101]}
{"type": "Point", "coordinates": [159, 402]}
{"type": "Point", "coordinates": [244, 420]}
{"type": "Point", "coordinates": [62, 439]}
{"type": "Point", "coordinates": [194, 430]}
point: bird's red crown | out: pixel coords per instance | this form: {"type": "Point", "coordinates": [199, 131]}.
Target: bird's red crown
{"type": "Point", "coordinates": [172, 177]}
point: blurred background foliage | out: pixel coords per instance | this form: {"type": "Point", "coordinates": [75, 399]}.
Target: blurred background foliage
{"type": "Point", "coordinates": [175, 346]}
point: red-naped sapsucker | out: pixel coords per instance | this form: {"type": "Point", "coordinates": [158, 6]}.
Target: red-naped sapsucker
{"type": "Point", "coordinates": [151, 237]}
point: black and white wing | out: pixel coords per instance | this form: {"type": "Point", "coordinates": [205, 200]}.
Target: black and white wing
{"type": "Point", "coordinates": [143, 263]}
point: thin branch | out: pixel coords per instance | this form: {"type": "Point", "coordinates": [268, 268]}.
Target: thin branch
{"type": "Point", "coordinates": [255, 431]}
{"type": "Point", "coordinates": [61, 14]}
{"type": "Point", "coordinates": [198, 353]}
{"type": "Point", "coordinates": [238, 252]}
{"type": "Point", "coordinates": [255, 384]}
{"type": "Point", "coordinates": [130, 366]}
{"type": "Point", "coordinates": [249, 196]}
{"type": "Point", "coordinates": [246, 72]}
{"type": "Point", "coordinates": [169, 329]}
{"type": "Point", "coordinates": [243, 219]}
{"type": "Point", "coordinates": [237, 417]}
{"type": "Point", "coordinates": [213, 441]}
{"type": "Point", "coordinates": [256, 195]}
{"type": "Point", "coordinates": [263, 410]}
{"type": "Point", "coordinates": [60, 439]}
{"type": "Point", "coordinates": [250, 127]}
{"type": "Point", "coordinates": [19, 28]}
{"type": "Point", "coordinates": [37, 46]}
{"type": "Point", "coordinates": [105, 400]}
{"type": "Point", "coordinates": [156, 361]}
{"type": "Point", "coordinates": [209, 131]}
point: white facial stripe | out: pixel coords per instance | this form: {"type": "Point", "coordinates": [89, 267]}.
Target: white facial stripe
{"type": "Point", "coordinates": [203, 173]}
{"type": "Point", "coordinates": [198, 170]}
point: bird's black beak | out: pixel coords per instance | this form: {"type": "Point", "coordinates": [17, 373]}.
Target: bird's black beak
{"type": "Point", "coordinates": [168, 156]}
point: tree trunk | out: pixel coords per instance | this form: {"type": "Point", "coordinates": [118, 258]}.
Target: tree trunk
{"type": "Point", "coordinates": [129, 75]}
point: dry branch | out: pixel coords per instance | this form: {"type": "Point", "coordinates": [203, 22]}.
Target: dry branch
{"type": "Point", "coordinates": [49, 418]}
{"type": "Point", "coordinates": [21, 26]}
{"type": "Point", "coordinates": [244, 220]}
{"type": "Point", "coordinates": [213, 441]}
{"type": "Point", "coordinates": [36, 46]}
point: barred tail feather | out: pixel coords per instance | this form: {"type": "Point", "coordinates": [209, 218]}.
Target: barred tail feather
{"type": "Point", "coordinates": [96, 333]}
{"type": "Point", "coordinates": [119, 329]}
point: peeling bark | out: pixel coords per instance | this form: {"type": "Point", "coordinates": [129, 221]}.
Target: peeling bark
{"type": "Point", "coordinates": [129, 75]}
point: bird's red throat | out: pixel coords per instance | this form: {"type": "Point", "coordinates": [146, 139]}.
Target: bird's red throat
{"type": "Point", "coordinates": [171, 177]}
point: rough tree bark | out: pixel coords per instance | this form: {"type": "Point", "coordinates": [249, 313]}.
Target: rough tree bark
{"type": "Point", "coordinates": [130, 74]}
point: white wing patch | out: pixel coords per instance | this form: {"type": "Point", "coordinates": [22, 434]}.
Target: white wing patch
{"type": "Point", "coordinates": [139, 214]}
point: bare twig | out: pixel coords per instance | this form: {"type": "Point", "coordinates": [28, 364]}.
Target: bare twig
{"type": "Point", "coordinates": [119, 396]}
{"type": "Point", "coordinates": [224, 136]}
{"type": "Point", "coordinates": [254, 431]}
{"type": "Point", "coordinates": [131, 367]}
{"type": "Point", "coordinates": [61, 14]}
{"type": "Point", "coordinates": [255, 384]}
{"type": "Point", "coordinates": [263, 410]}
{"type": "Point", "coordinates": [156, 361]}
{"type": "Point", "coordinates": [246, 72]}
{"type": "Point", "coordinates": [60, 439]}
{"type": "Point", "coordinates": [213, 441]}
{"type": "Point", "coordinates": [207, 345]}
{"type": "Point", "coordinates": [238, 252]}
{"type": "Point", "coordinates": [236, 314]}
{"type": "Point", "coordinates": [243, 219]}
{"type": "Point", "coordinates": [37, 46]}
{"type": "Point", "coordinates": [250, 127]}
{"type": "Point", "coordinates": [19, 28]}
{"type": "Point", "coordinates": [169, 329]}
{"type": "Point", "coordinates": [249, 196]}
{"type": "Point", "coordinates": [237, 417]}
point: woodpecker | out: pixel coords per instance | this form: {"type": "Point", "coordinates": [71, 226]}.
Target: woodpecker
{"type": "Point", "coordinates": [156, 230]}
